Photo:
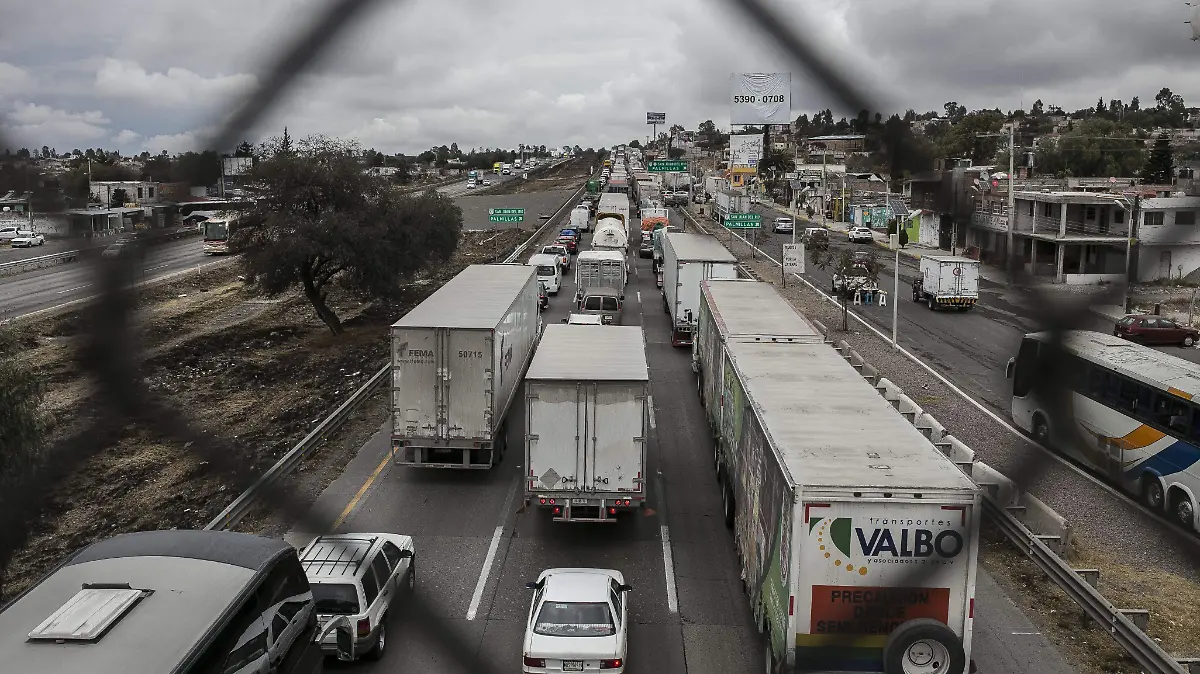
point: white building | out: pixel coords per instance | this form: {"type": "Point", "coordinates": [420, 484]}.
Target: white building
{"type": "Point", "coordinates": [1076, 237]}
{"type": "Point", "coordinates": [138, 192]}
{"type": "Point", "coordinates": [1168, 238]}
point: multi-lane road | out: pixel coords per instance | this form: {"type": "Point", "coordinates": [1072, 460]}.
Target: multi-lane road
{"type": "Point", "coordinates": [477, 547]}
{"type": "Point", "coordinates": [53, 286]}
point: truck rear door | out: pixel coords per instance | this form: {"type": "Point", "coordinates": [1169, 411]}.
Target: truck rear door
{"type": "Point", "coordinates": [555, 428]}
{"type": "Point", "coordinates": [466, 383]}
{"type": "Point", "coordinates": [958, 279]}
{"type": "Point", "coordinates": [616, 433]}
{"type": "Point", "coordinates": [416, 389]}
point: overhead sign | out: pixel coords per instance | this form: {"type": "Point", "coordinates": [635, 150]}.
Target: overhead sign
{"type": "Point", "coordinates": [743, 221]}
{"type": "Point", "coordinates": [236, 166]}
{"type": "Point", "coordinates": [656, 118]}
{"type": "Point", "coordinates": [667, 166]}
{"type": "Point", "coordinates": [793, 258]}
{"type": "Point", "coordinates": [760, 98]}
{"type": "Point", "coordinates": [506, 214]}
{"type": "Point", "coordinates": [745, 150]}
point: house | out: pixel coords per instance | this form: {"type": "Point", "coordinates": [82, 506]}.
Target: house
{"type": "Point", "coordinates": [923, 228]}
{"type": "Point", "coordinates": [1075, 237]}
{"type": "Point", "coordinates": [1168, 239]}
{"type": "Point", "coordinates": [837, 147]}
{"type": "Point", "coordinates": [137, 192]}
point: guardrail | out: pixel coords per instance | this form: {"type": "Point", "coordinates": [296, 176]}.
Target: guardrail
{"type": "Point", "coordinates": [31, 263]}
{"type": "Point", "coordinates": [1017, 515]}
{"type": "Point", "coordinates": [238, 509]}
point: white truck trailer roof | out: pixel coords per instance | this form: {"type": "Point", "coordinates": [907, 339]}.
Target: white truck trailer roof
{"type": "Point", "coordinates": [833, 429]}
{"type": "Point", "coordinates": [744, 308]}
{"type": "Point", "coordinates": [949, 258]}
{"type": "Point", "coordinates": [698, 248]}
{"type": "Point", "coordinates": [590, 353]}
{"type": "Point", "coordinates": [479, 297]}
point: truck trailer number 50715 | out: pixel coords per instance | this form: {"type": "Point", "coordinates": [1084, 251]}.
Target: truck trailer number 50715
{"type": "Point", "coordinates": [470, 354]}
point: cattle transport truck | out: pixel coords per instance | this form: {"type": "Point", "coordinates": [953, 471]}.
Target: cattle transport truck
{"type": "Point", "coordinates": [689, 259]}
{"type": "Point", "coordinates": [858, 538]}
{"type": "Point", "coordinates": [457, 361]}
{"type": "Point", "coordinates": [587, 421]}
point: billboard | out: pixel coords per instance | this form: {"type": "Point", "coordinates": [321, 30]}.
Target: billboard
{"type": "Point", "coordinates": [656, 118]}
{"type": "Point", "coordinates": [745, 150]}
{"type": "Point", "coordinates": [236, 166]}
{"type": "Point", "coordinates": [760, 98]}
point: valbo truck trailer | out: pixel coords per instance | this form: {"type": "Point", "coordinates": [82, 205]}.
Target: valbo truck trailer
{"type": "Point", "coordinates": [457, 363]}
{"type": "Point", "coordinates": [858, 539]}
{"type": "Point", "coordinates": [587, 422]}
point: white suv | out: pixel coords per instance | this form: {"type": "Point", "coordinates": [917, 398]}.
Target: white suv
{"type": "Point", "coordinates": [359, 576]}
{"type": "Point", "coordinates": [860, 234]}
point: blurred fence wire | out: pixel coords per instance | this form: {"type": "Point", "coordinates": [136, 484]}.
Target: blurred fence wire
{"type": "Point", "coordinates": [111, 356]}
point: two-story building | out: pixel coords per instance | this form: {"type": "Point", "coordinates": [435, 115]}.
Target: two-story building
{"type": "Point", "coordinates": [1075, 237]}
{"type": "Point", "coordinates": [1168, 239]}
{"type": "Point", "coordinates": [137, 192]}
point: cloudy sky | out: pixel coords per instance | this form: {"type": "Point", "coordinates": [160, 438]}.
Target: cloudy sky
{"type": "Point", "coordinates": [140, 75]}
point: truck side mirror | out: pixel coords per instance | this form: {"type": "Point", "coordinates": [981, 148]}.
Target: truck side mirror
{"type": "Point", "coordinates": [1008, 369]}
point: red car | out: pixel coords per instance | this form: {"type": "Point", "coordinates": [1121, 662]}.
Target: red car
{"type": "Point", "coordinates": [570, 242]}
{"type": "Point", "coordinates": [1155, 330]}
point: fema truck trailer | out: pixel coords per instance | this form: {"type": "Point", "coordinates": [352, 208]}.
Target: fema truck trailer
{"type": "Point", "coordinates": [947, 282]}
{"type": "Point", "coordinates": [587, 422]}
{"type": "Point", "coordinates": [689, 259]}
{"type": "Point", "coordinates": [858, 539]}
{"type": "Point", "coordinates": [457, 362]}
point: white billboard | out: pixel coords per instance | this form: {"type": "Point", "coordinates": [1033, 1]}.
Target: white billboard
{"type": "Point", "coordinates": [236, 166]}
{"type": "Point", "coordinates": [745, 150]}
{"type": "Point", "coordinates": [760, 98]}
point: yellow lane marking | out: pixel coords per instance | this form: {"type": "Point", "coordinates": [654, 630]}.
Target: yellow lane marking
{"type": "Point", "coordinates": [362, 490]}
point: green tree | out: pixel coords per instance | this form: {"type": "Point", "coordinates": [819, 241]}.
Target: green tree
{"type": "Point", "coordinates": [244, 149]}
{"type": "Point", "coordinates": [323, 219]}
{"type": "Point", "coordinates": [845, 264]}
{"type": "Point", "coordinates": [1160, 165]}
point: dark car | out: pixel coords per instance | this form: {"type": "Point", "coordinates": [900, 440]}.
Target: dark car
{"type": "Point", "coordinates": [1155, 330]}
{"type": "Point", "coordinates": [570, 242]}
{"type": "Point", "coordinates": [125, 247]}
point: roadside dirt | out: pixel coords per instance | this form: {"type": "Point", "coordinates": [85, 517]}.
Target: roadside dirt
{"type": "Point", "coordinates": [568, 175]}
{"type": "Point", "coordinates": [260, 372]}
{"type": "Point", "coordinates": [1170, 598]}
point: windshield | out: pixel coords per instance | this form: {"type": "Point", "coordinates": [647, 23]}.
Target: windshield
{"type": "Point", "coordinates": [215, 231]}
{"type": "Point", "coordinates": [1125, 322]}
{"type": "Point", "coordinates": [545, 270]}
{"type": "Point", "coordinates": [574, 619]}
{"type": "Point", "coordinates": [592, 303]}
{"type": "Point", "coordinates": [335, 598]}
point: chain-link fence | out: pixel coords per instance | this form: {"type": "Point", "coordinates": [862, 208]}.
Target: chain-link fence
{"type": "Point", "coordinates": [110, 354]}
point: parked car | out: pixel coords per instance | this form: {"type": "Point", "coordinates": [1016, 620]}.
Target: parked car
{"type": "Point", "coordinates": [560, 251]}
{"type": "Point", "coordinates": [578, 621]}
{"type": "Point", "coordinates": [359, 576]}
{"type": "Point", "coordinates": [28, 240]}
{"type": "Point", "coordinates": [1155, 330]}
{"type": "Point", "coordinates": [860, 234]}
{"type": "Point", "coordinates": [784, 225]}
{"type": "Point", "coordinates": [9, 233]}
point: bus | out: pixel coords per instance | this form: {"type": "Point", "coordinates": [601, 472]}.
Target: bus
{"type": "Point", "coordinates": [497, 167]}
{"type": "Point", "coordinates": [217, 231]}
{"type": "Point", "coordinates": [1135, 417]}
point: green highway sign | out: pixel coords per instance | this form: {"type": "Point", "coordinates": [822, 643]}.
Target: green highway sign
{"type": "Point", "coordinates": [743, 221]}
{"type": "Point", "coordinates": [667, 166]}
{"type": "Point", "coordinates": [506, 215]}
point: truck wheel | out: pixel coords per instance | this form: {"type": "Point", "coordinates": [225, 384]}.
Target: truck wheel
{"type": "Point", "coordinates": [727, 505]}
{"type": "Point", "coordinates": [923, 646]}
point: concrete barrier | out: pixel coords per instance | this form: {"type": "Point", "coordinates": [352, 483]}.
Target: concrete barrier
{"type": "Point", "coordinates": [930, 427]}
{"type": "Point", "coordinates": [1042, 520]}
{"type": "Point", "coordinates": [1002, 490]}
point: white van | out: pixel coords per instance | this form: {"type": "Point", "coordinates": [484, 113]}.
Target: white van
{"type": "Point", "coordinates": [549, 271]}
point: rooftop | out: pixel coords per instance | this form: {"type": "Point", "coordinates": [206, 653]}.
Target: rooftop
{"type": "Point", "coordinates": [1089, 198]}
{"type": "Point", "coordinates": [479, 297]}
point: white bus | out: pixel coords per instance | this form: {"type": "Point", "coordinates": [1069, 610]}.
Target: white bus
{"type": "Point", "coordinates": [217, 231]}
{"type": "Point", "coordinates": [1133, 408]}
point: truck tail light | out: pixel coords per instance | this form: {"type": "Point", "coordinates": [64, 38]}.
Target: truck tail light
{"type": "Point", "coordinates": [612, 511]}
{"type": "Point", "coordinates": [611, 664]}
{"type": "Point", "coordinates": [364, 627]}
{"type": "Point", "coordinates": [535, 662]}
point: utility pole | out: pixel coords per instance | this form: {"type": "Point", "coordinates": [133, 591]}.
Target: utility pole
{"type": "Point", "coordinates": [1012, 215]}
{"type": "Point", "coordinates": [1129, 240]}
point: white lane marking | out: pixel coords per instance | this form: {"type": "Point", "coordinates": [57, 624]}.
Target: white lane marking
{"type": "Point", "coordinates": [1026, 634]}
{"type": "Point", "coordinates": [965, 396]}
{"type": "Point", "coordinates": [639, 294]}
{"type": "Point", "coordinates": [161, 266]}
{"type": "Point", "coordinates": [491, 553]}
{"type": "Point", "coordinates": [650, 406]}
{"type": "Point", "coordinates": [62, 292]}
{"type": "Point", "coordinates": [669, 570]}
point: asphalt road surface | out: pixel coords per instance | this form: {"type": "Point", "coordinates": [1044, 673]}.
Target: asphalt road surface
{"type": "Point", "coordinates": [46, 288]}
{"type": "Point", "coordinates": [476, 547]}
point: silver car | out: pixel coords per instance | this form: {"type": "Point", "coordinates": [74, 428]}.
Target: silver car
{"type": "Point", "coordinates": [359, 576]}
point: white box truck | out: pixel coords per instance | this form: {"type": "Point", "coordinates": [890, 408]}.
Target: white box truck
{"type": "Point", "coordinates": [947, 282]}
{"type": "Point", "coordinates": [457, 361]}
{"type": "Point", "coordinates": [858, 539]}
{"type": "Point", "coordinates": [587, 421]}
{"type": "Point", "coordinates": [689, 259]}
{"type": "Point", "coordinates": [581, 218]}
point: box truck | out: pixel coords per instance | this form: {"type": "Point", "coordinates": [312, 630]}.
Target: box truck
{"type": "Point", "coordinates": [587, 420]}
{"type": "Point", "coordinates": [858, 539]}
{"type": "Point", "coordinates": [947, 282]}
{"type": "Point", "coordinates": [689, 259]}
{"type": "Point", "coordinates": [457, 360]}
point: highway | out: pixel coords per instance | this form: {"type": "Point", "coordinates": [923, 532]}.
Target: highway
{"type": "Point", "coordinates": [53, 286]}
{"type": "Point", "coordinates": [476, 548]}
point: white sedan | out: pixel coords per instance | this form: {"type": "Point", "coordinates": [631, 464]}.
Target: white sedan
{"type": "Point", "coordinates": [578, 621]}
{"type": "Point", "coordinates": [860, 234]}
{"type": "Point", "coordinates": [28, 240]}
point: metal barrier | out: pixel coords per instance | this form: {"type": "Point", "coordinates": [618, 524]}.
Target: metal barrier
{"type": "Point", "coordinates": [39, 262]}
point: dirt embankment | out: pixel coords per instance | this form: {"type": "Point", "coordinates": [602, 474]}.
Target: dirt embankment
{"type": "Point", "coordinates": [570, 174]}
{"type": "Point", "coordinates": [260, 372]}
